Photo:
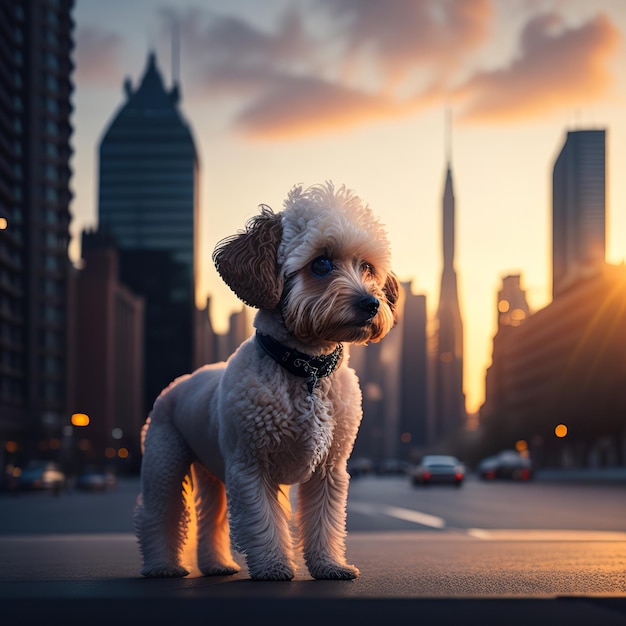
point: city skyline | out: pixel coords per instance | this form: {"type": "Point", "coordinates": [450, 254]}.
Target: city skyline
{"type": "Point", "coordinates": [388, 148]}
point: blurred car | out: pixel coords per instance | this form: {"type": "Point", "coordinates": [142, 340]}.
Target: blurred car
{"type": "Point", "coordinates": [438, 469]}
{"type": "Point", "coordinates": [507, 464]}
{"type": "Point", "coordinates": [360, 466]}
{"type": "Point", "coordinates": [93, 479]}
{"type": "Point", "coordinates": [390, 467]}
{"type": "Point", "coordinates": [41, 476]}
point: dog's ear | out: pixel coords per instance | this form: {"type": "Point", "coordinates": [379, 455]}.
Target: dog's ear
{"type": "Point", "coordinates": [394, 293]}
{"type": "Point", "coordinates": [247, 261]}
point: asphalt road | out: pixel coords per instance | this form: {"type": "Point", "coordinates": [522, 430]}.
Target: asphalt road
{"type": "Point", "coordinates": [546, 553]}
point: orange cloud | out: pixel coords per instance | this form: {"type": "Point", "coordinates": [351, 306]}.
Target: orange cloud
{"type": "Point", "coordinates": [373, 60]}
{"type": "Point", "coordinates": [402, 35]}
{"type": "Point", "coordinates": [301, 107]}
{"type": "Point", "coordinates": [96, 56]}
{"type": "Point", "coordinates": [557, 67]}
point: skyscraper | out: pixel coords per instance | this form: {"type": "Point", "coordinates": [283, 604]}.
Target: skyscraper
{"type": "Point", "coordinates": [449, 399]}
{"type": "Point", "coordinates": [513, 311]}
{"type": "Point", "coordinates": [413, 419]}
{"type": "Point", "coordinates": [35, 107]}
{"type": "Point", "coordinates": [512, 305]}
{"type": "Point", "coordinates": [565, 364]}
{"type": "Point", "coordinates": [107, 343]}
{"type": "Point", "coordinates": [148, 191]}
{"type": "Point", "coordinates": [578, 207]}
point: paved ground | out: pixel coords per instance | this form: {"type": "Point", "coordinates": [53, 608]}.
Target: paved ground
{"type": "Point", "coordinates": [430, 576]}
{"type": "Point", "coordinates": [444, 577]}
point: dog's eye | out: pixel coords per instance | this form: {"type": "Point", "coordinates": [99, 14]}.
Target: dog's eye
{"type": "Point", "coordinates": [367, 268]}
{"type": "Point", "coordinates": [322, 266]}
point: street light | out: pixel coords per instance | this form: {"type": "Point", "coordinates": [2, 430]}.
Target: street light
{"type": "Point", "coordinates": [560, 431]}
{"type": "Point", "coordinates": [80, 419]}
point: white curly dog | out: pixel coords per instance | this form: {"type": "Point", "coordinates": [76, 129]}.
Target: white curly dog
{"type": "Point", "coordinates": [284, 409]}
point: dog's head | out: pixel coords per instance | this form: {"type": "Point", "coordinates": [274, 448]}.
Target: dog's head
{"type": "Point", "coordinates": [325, 261]}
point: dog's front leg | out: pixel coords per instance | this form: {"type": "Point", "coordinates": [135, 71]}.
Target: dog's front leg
{"type": "Point", "coordinates": [321, 518]}
{"type": "Point", "coordinates": [258, 523]}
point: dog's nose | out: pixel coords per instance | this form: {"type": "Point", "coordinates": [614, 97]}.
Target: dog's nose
{"type": "Point", "coordinates": [369, 304]}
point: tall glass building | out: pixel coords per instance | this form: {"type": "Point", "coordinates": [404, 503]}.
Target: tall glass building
{"type": "Point", "coordinates": [148, 203]}
{"type": "Point", "coordinates": [578, 207]}
{"type": "Point", "coordinates": [35, 108]}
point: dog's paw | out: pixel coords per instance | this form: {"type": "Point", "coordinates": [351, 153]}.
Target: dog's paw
{"type": "Point", "coordinates": [219, 569]}
{"type": "Point", "coordinates": [279, 571]}
{"type": "Point", "coordinates": [328, 570]}
{"type": "Point", "coordinates": [164, 570]}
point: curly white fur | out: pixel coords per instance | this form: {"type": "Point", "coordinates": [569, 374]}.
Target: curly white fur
{"type": "Point", "coordinates": [248, 426]}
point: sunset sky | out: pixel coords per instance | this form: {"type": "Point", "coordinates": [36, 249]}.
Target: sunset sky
{"type": "Point", "coordinates": [281, 92]}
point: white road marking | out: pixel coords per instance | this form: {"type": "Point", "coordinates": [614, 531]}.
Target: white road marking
{"type": "Point", "coordinates": [530, 534]}
{"type": "Point", "coordinates": [483, 534]}
{"type": "Point", "coordinates": [408, 515]}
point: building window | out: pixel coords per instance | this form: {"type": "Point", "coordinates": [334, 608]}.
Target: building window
{"type": "Point", "coordinates": [51, 392]}
{"type": "Point", "coordinates": [52, 366]}
{"type": "Point", "coordinates": [51, 195]}
{"type": "Point", "coordinates": [51, 217]}
{"type": "Point", "coordinates": [51, 38]}
{"type": "Point", "coordinates": [51, 172]}
{"type": "Point", "coordinates": [52, 314]}
{"type": "Point", "coordinates": [52, 263]}
{"type": "Point", "coordinates": [51, 341]}
{"type": "Point", "coordinates": [52, 240]}
{"type": "Point", "coordinates": [52, 83]}
{"type": "Point", "coordinates": [52, 106]}
{"type": "Point", "coordinates": [52, 150]}
{"type": "Point", "coordinates": [53, 19]}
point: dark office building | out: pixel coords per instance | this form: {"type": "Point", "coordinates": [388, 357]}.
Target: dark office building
{"type": "Point", "coordinates": [513, 311]}
{"type": "Point", "coordinates": [107, 349]}
{"type": "Point", "coordinates": [566, 364]}
{"type": "Point", "coordinates": [414, 431]}
{"type": "Point", "coordinates": [578, 208]}
{"type": "Point", "coordinates": [148, 192]}
{"type": "Point", "coordinates": [378, 419]}
{"type": "Point", "coordinates": [393, 378]}
{"type": "Point", "coordinates": [36, 41]}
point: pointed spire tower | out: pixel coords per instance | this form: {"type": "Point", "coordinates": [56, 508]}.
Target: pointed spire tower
{"type": "Point", "coordinates": [449, 399]}
{"type": "Point", "coordinates": [148, 202]}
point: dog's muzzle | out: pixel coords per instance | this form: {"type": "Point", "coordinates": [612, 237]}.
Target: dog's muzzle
{"type": "Point", "coordinates": [368, 305]}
